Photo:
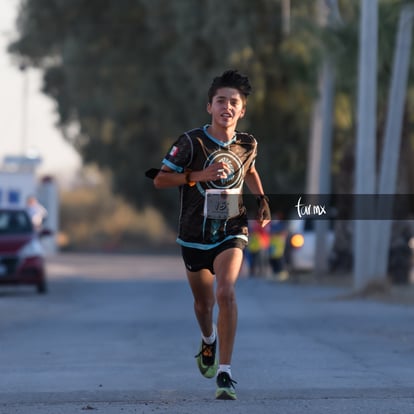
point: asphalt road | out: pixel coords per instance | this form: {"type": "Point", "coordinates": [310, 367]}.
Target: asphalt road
{"type": "Point", "coordinates": [116, 334]}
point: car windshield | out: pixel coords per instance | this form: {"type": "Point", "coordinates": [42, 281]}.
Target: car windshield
{"type": "Point", "coordinates": [15, 222]}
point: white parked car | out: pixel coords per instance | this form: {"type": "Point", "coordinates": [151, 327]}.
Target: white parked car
{"type": "Point", "coordinates": [301, 244]}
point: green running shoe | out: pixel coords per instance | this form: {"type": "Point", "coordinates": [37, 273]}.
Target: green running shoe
{"type": "Point", "coordinates": [225, 387]}
{"type": "Point", "coordinates": [206, 359]}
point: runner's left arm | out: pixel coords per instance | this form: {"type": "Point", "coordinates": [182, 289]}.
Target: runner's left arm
{"type": "Point", "coordinates": [254, 184]}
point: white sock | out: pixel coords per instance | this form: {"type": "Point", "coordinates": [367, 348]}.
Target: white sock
{"type": "Point", "coordinates": [224, 368]}
{"type": "Point", "coordinates": [210, 339]}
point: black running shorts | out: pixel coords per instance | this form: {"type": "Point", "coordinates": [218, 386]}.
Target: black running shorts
{"type": "Point", "coordinates": [196, 259]}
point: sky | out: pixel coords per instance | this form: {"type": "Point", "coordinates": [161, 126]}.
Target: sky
{"type": "Point", "coordinates": [39, 136]}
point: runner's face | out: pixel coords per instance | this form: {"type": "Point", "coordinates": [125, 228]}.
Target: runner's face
{"type": "Point", "coordinates": [226, 108]}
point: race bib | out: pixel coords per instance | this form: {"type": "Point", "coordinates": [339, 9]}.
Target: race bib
{"type": "Point", "coordinates": [221, 204]}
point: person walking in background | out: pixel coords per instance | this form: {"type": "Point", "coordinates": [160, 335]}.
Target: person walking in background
{"type": "Point", "coordinates": [257, 250]}
{"type": "Point", "coordinates": [36, 212]}
{"type": "Point", "coordinates": [209, 165]}
{"type": "Point", "coordinates": [277, 245]}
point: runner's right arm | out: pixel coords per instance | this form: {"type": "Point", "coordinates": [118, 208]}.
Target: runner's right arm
{"type": "Point", "coordinates": [167, 177]}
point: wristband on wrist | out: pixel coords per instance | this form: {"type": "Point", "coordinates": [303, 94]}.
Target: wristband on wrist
{"type": "Point", "coordinates": [187, 179]}
{"type": "Point", "coordinates": [262, 197]}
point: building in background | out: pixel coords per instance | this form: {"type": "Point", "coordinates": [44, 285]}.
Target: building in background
{"type": "Point", "coordinates": [18, 181]}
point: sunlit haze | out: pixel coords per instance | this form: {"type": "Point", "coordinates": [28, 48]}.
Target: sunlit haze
{"type": "Point", "coordinates": [27, 116]}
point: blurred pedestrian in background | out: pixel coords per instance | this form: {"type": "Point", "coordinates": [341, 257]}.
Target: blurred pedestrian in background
{"type": "Point", "coordinates": [36, 211]}
{"type": "Point", "coordinates": [257, 254]}
{"type": "Point", "coordinates": [277, 245]}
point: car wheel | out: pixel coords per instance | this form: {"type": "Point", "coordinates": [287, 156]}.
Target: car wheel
{"type": "Point", "coordinates": [41, 287]}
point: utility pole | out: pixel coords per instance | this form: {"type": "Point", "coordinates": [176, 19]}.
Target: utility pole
{"type": "Point", "coordinates": [320, 148]}
{"type": "Point", "coordinates": [25, 104]}
{"type": "Point", "coordinates": [392, 137]}
{"type": "Point", "coordinates": [285, 4]}
{"type": "Point", "coordinates": [366, 139]}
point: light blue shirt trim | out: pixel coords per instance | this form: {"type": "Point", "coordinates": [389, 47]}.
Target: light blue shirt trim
{"type": "Point", "coordinates": [202, 246]}
{"type": "Point", "coordinates": [172, 166]}
{"type": "Point", "coordinates": [217, 141]}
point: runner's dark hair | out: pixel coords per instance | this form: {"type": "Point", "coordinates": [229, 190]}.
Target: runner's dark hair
{"type": "Point", "coordinates": [230, 79]}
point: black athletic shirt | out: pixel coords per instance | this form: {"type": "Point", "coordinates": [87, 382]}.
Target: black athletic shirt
{"type": "Point", "coordinates": [195, 150]}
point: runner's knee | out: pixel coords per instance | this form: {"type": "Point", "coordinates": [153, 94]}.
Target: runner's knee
{"type": "Point", "coordinates": [204, 306]}
{"type": "Point", "coordinates": [225, 295]}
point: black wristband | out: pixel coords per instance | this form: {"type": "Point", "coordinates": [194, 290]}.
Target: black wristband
{"type": "Point", "coordinates": [260, 198]}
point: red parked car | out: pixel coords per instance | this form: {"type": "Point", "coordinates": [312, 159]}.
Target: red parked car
{"type": "Point", "coordinates": [22, 258]}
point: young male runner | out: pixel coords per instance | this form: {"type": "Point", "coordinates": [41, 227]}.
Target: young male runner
{"type": "Point", "coordinates": [213, 224]}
